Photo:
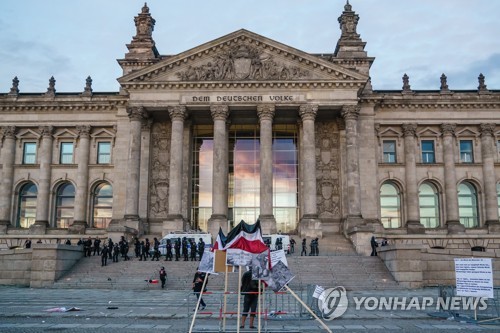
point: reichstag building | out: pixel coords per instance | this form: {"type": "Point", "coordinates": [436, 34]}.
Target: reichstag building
{"type": "Point", "coordinates": [244, 128]}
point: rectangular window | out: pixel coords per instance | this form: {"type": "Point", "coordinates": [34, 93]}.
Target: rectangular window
{"type": "Point", "coordinates": [66, 156]}
{"type": "Point", "coordinates": [428, 151]}
{"type": "Point", "coordinates": [29, 153]}
{"type": "Point", "coordinates": [103, 153]}
{"type": "Point", "coordinates": [466, 154]}
{"type": "Point", "coordinates": [389, 148]}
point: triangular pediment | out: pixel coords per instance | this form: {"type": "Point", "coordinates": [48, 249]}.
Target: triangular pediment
{"type": "Point", "coordinates": [243, 56]}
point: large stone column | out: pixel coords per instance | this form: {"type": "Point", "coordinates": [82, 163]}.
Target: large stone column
{"type": "Point", "coordinates": [8, 155]}
{"type": "Point", "coordinates": [175, 220]}
{"type": "Point", "coordinates": [310, 225]}
{"type": "Point", "coordinates": [489, 177]}
{"type": "Point", "coordinates": [218, 219]}
{"type": "Point", "coordinates": [136, 115]}
{"type": "Point", "coordinates": [80, 220]}
{"type": "Point", "coordinates": [450, 180]}
{"type": "Point", "coordinates": [266, 217]}
{"type": "Point", "coordinates": [350, 113]}
{"type": "Point", "coordinates": [413, 224]}
{"type": "Point", "coordinates": [43, 199]}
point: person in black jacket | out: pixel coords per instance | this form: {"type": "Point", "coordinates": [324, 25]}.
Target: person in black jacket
{"type": "Point", "coordinates": [374, 245]}
{"type": "Point", "coordinates": [163, 276]}
{"type": "Point", "coordinates": [304, 248]}
{"type": "Point", "coordinates": [250, 288]}
{"type": "Point", "coordinates": [169, 250]}
{"type": "Point", "coordinates": [156, 249]}
{"type": "Point", "coordinates": [104, 255]}
{"type": "Point", "coordinates": [177, 248]}
{"type": "Point", "coordinates": [201, 248]}
{"type": "Point", "coordinates": [198, 279]}
{"type": "Point", "coordinates": [185, 248]}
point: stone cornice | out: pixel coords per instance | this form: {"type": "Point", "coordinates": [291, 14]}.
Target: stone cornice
{"type": "Point", "coordinates": [43, 105]}
{"type": "Point", "coordinates": [244, 84]}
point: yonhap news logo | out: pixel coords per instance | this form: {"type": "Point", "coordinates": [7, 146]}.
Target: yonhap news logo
{"type": "Point", "coordinates": [333, 302]}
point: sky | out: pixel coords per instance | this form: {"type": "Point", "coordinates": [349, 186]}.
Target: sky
{"type": "Point", "coordinates": [71, 40]}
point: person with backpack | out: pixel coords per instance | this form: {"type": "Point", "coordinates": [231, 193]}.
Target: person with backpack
{"type": "Point", "coordinates": [163, 277]}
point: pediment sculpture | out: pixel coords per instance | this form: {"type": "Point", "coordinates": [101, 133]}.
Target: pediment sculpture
{"type": "Point", "coordinates": [242, 62]}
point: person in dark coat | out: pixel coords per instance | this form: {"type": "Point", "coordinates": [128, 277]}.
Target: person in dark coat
{"type": "Point", "coordinates": [27, 244]}
{"type": "Point", "coordinates": [68, 242]}
{"type": "Point", "coordinates": [142, 248]}
{"type": "Point", "coordinates": [374, 245]}
{"type": "Point", "coordinates": [185, 249]}
{"type": "Point", "coordinates": [116, 252]}
{"type": "Point", "coordinates": [316, 246]}
{"type": "Point", "coordinates": [137, 247]}
{"type": "Point", "coordinates": [250, 289]}
{"type": "Point", "coordinates": [97, 246]}
{"type": "Point", "coordinates": [193, 250]}
{"type": "Point", "coordinates": [177, 248]}
{"type": "Point", "coordinates": [104, 256]}
{"type": "Point", "coordinates": [148, 248]}
{"type": "Point", "coordinates": [292, 245]}
{"type": "Point", "coordinates": [110, 248]}
{"type": "Point", "coordinates": [156, 250]}
{"type": "Point", "coordinates": [198, 279]}
{"type": "Point", "coordinates": [304, 248]}
{"type": "Point", "coordinates": [201, 248]}
{"type": "Point", "coordinates": [163, 277]}
{"type": "Point", "coordinates": [169, 250]}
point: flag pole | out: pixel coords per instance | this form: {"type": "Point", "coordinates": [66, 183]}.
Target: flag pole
{"type": "Point", "coordinates": [259, 300]}
{"type": "Point", "coordinates": [198, 302]}
{"type": "Point", "coordinates": [308, 309]}
{"type": "Point", "coordinates": [225, 300]}
{"type": "Point", "coordinates": [239, 303]}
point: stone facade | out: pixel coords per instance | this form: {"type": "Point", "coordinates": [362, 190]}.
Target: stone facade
{"type": "Point", "coordinates": [351, 142]}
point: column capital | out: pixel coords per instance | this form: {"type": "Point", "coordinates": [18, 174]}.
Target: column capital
{"type": "Point", "coordinates": [177, 112]}
{"type": "Point", "coordinates": [9, 131]}
{"type": "Point", "coordinates": [46, 131]}
{"type": "Point", "coordinates": [409, 129]}
{"type": "Point", "coordinates": [308, 111]}
{"type": "Point", "coordinates": [219, 112]}
{"type": "Point", "coordinates": [137, 113]}
{"type": "Point", "coordinates": [487, 129]}
{"type": "Point", "coordinates": [266, 111]}
{"type": "Point", "coordinates": [350, 112]}
{"type": "Point", "coordinates": [83, 130]}
{"type": "Point", "coordinates": [448, 129]}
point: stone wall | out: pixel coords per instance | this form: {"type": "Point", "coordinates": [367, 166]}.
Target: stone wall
{"type": "Point", "coordinates": [15, 267]}
{"type": "Point", "coordinates": [39, 266]}
{"type": "Point", "coordinates": [413, 266]}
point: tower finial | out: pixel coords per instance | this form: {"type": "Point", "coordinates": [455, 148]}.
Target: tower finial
{"type": "Point", "coordinates": [348, 7]}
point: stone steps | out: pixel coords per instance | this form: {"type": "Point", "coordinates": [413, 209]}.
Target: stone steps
{"type": "Point", "coordinates": [354, 272]}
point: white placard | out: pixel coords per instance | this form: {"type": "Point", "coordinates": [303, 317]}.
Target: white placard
{"type": "Point", "coordinates": [474, 277]}
{"type": "Point", "coordinates": [277, 256]}
{"type": "Point", "coordinates": [318, 291]}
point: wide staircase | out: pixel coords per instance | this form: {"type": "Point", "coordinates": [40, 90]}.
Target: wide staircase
{"type": "Point", "coordinates": [337, 265]}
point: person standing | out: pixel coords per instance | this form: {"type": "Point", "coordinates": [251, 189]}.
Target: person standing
{"type": "Point", "coordinates": [316, 246]}
{"type": "Point", "coordinates": [250, 288]}
{"type": "Point", "coordinates": [27, 244]}
{"type": "Point", "coordinates": [97, 246]}
{"type": "Point", "coordinates": [169, 250]}
{"type": "Point", "coordinates": [292, 245]}
{"type": "Point", "coordinates": [193, 250]}
{"type": "Point", "coordinates": [177, 248]}
{"type": "Point", "coordinates": [163, 277]}
{"type": "Point", "coordinates": [201, 248]}
{"type": "Point", "coordinates": [148, 247]}
{"type": "Point", "coordinates": [374, 245]}
{"type": "Point", "coordinates": [68, 242]}
{"type": "Point", "coordinates": [137, 247]}
{"type": "Point", "coordinates": [116, 252]}
{"type": "Point", "coordinates": [304, 248]}
{"type": "Point", "coordinates": [156, 249]}
{"type": "Point", "coordinates": [104, 256]}
{"type": "Point", "coordinates": [198, 279]}
{"type": "Point", "coordinates": [110, 248]}
{"type": "Point", "coordinates": [142, 248]}
{"type": "Point", "coordinates": [185, 249]}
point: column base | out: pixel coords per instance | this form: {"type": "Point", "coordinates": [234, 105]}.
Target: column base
{"type": "Point", "coordinates": [78, 227]}
{"type": "Point", "coordinates": [4, 226]}
{"type": "Point", "coordinates": [39, 228]}
{"type": "Point", "coordinates": [174, 222]}
{"type": "Point", "coordinates": [415, 227]}
{"type": "Point", "coordinates": [493, 226]}
{"type": "Point", "coordinates": [455, 227]}
{"type": "Point", "coordinates": [353, 222]}
{"type": "Point", "coordinates": [310, 226]}
{"type": "Point", "coordinates": [268, 224]}
{"type": "Point", "coordinates": [215, 222]}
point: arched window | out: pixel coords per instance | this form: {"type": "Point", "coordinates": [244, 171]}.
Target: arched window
{"type": "Point", "coordinates": [467, 205]}
{"type": "Point", "coordinates": [102, 205]}
{"type": "Point", "coordinates": [65, 205]}
{"type": "Point", "coordinates": [390, 206]}
{"type": "Point", "coordinates": [428, 200]}
{"type": "Point", "coordinates": [26, 211]}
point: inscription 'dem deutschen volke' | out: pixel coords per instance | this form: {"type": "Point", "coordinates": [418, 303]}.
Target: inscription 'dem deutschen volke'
{"type": "Point", "coordinates": [243, 98]}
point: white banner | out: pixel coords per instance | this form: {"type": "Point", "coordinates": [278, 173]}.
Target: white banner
{"type": "Point", "coordinates": [474, 277]}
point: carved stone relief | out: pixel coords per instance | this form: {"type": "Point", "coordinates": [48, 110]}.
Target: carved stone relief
{"type": "Point", "coordinates": [160, 168]}
{"type": "Point", "coordinates": [328, 166]}
{"type": "Point", "coordinates": [242, 62]}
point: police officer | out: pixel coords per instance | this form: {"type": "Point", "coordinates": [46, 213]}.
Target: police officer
{"type": "Point", "coordinates": [97, 246]}
{"type": "Point", "coordinates": [292, 245]}
{"type": "Point", "coordinates": [148, 247]}
{"type": "Point", "coordinates": [110, 248]}
{"type": "Point", "coordinates": [156, 249]}
{"type": "Point", "coordinates": [169, 250]}
{"type": "Point", "coordinates": [104, 255]}
{"type": "Point", "coordinates": [163, 277]}
{"type": "Point", "coordinates": [185, 248]}
{"type": "Point", "coordinates": [177, 248]}
{"type": "Point", "coordinates": [193, 250]}
{"type": "Point", "coordinates": [137, 247]}
{"type": "Point", "coordinates": [116, 252]}
{"type": "Point", "coordinates": [304, 248]}
{"type": "Point", "coordinates": [201, 248]}
{"type": "Point", "coordinates": [142, 248]}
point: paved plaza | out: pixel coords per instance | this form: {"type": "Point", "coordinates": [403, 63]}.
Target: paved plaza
{"type": "Point", "coordinates": [156, 310]}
